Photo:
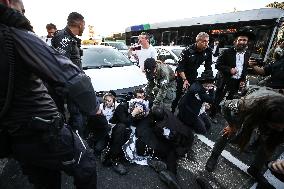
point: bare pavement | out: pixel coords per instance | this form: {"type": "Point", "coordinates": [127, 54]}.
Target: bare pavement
{"type": "Point", "coordinates": [230, 172]}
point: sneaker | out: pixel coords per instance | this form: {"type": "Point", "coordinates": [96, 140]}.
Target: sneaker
{"type": "Point", "coordinates": [211, 163]}
{"type": "Point", "coordinates": [170, 179]}
{"type": "Point", "coordinates": [262, 182]}
{"type": "Point", "coordinates": [157, 165]}
{"type": "Point", "coordinates": [119, 168]}
{"type": "Point", "coordinates": [203, 183]}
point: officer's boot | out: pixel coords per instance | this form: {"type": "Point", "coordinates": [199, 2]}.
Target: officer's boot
{"type": "Point", "coordinates": [211, 163]}
{"type": "Point", "coordinates": [216, 152]}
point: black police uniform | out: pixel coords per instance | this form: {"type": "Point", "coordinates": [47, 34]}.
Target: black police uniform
{"type": "Point", "coordinates": [276, 70]}
{"type": "Point", "coordinates": [189, 62]}
{"type": "Point", "coordinates": [65, 42]}
{"type": "Point", "coordinates": [38, 138]}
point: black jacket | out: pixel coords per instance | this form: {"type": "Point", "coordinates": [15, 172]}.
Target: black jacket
{"type": "Point", "coordinates": [190, 60]}
{"type": "Point", "coordinates": [65, 42]}
{"type": "Point", "coordinates": [191, 102]}
{"type": "Point", "coordinates": [34, 61]}
{"type": "Point", "coordinates": [276, 70]}
{"type": "Point", "coordinates": [227, 60]}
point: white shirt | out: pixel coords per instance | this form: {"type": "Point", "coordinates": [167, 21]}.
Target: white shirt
{"type": "Point", "coordinates": [143, 54]}
{"type": "Point", "coordinates": [108, 112]}
{"type": "Point", "coordinates": [240, 59]}
{"type": "Point", "coordinates": [47, 40]}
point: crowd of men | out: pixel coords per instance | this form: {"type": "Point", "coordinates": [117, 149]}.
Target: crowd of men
{"type": "Point", "coordinates": [154, 127]}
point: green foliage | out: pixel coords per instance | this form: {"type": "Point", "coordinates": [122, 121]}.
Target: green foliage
{"type": "Point", "coordinates": [276, 5]}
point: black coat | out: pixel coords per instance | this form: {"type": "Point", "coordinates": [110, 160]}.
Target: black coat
{"type": "Point", "coordinates": [227, 60]}
{"type": "Point", "coordinates": [191, 102]}
{"type": "Point", "coordinates": [190, 60]}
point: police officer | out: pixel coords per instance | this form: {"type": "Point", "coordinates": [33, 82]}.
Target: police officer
{"type": "Point", "coordinates": [275, 70]}
{"type": "Point", "coordinates": [190, 60]}
{"type": "Point", "coordinates": [66, 42]}
{"type": "Point", "coordinates": [29, 119]}
{"type": "Point", "coordinates": [261, 108]}
{"type": "Point", "coordinates": [164, 80]}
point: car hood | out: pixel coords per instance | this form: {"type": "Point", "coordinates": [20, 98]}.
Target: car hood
{"type": "Point", "coordinates": [115, 78]}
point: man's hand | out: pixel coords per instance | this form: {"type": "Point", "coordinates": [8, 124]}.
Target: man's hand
{"type": "Point", "coordinates": [185, 84]}
{"type": "Point", "coordinates": [233, 71]}
{"type": "Point", "coordinates": [229, 130]}
{"type": "Point", "coordinates": [136, 111]}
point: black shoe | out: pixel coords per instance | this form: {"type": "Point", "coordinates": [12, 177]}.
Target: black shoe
{"type": "Point", "coordinates": [157, 165]}
{"type": "Point", "coordinates": [119, 168]}
{"type": "Point", "coordinates": [203, 183]}
{"type": "Point", "coordinates": [211, 163]}
{"type": "Point", "coordinates": [262, 182]}
{"type": "Point", "coordinates": [170, 179]}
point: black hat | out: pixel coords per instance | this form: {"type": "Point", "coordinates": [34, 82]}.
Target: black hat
{"type": "Point", "coordinates": [149, 64]}
{"type": "Point", "coordinates": [206, 76]}
{"type": "Point", "coordinates": [245, 32]}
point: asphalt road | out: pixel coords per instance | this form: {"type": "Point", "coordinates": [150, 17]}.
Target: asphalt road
{"type": "Point", "coordinates": [229, 174]}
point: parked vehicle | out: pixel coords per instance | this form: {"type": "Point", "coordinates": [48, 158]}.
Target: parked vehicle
{"type": "Point", "coordinates": [172, 54]}
{"type": "Point", "coordinates": [118, 45]}
{"type": "Point", "coordinates": [109, 69]}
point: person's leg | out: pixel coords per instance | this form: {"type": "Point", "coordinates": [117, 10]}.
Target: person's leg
{"type": "Point", "coordinates": [179, 92]}
{"type": "Point", "coordinates": [216, 152]}
{"type": "Point", "coordinates": [263, 155]}
{"type": "Point", "coordinates": [206, 121]}
{"type": "Point", "coordinates": [120, 134]}
{"type": "Point", "coordinates": [233, 88]}
{"type": "Point", "coordinates": [199, 126]}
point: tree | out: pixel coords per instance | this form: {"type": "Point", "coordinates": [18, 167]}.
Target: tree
{"type": "Point", "coordinates": [276, 5]}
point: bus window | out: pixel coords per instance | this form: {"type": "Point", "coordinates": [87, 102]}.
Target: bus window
{"type": "Point", "coordinates": [169, 37]}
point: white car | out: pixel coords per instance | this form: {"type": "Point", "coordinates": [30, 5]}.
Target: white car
{"type": "Point", "coordinates": [109, 69]}
{"type": "Point", "coordinates": [118, 45]}
{"type": "Point", "coordinates": [172, 54]}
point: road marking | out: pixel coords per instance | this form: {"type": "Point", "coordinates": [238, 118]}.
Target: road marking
{"type": "Point", "coordinates": [227, 155]}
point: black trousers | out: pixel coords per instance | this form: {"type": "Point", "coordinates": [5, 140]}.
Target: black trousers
{"type": "Point", "coordinates": [42, 157]}
{"type": "Point", "coordinates": [179, 93]}
{"type": "Point", "coordinates": [231, 86]}
{"type": "Point", "coordinates": [120, 135]}
{"type": "Point", "coordinates": [164, 150]}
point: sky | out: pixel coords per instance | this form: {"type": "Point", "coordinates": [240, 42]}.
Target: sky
{"type": "Point", "coordinates": [113, 16]}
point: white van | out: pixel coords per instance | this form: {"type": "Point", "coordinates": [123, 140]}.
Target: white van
{"type": "Point", "coordinates": [109, 70]}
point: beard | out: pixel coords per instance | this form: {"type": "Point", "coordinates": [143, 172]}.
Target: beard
{"type": "Point", "coordinates": [240, 47]}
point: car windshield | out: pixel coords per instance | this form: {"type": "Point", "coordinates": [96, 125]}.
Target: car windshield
{"type": "Point", "coordinates": [119, 46]}
{"type": "Point", "coordinates": [103, 57]}
{"type": "Point", "coordinates": [177, 52]}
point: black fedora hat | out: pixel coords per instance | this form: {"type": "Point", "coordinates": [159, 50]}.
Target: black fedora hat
{"type": "Point", "coordinates": [206, 76]}
{"type": "Point", "coordinates": [245, 32]}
